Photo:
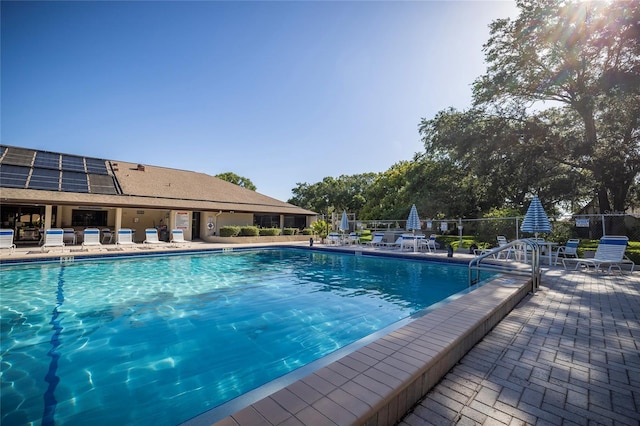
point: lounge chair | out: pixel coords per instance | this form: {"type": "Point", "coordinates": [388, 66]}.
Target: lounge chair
{"type": "Point", "coordinates": [376, 240]}
{"type": "Point", "coordinates": [6, 240]}
{"type": "Point", "coordinates": [610, 252]}
{"type": "Point", "coordinates": [69, 236]}
{"type": "Point", "coordinates": [53, 237]}
{"type": "Point", "coordinates": [125, 237]}
{"type": "Point", "coordinates": [91, 238]}
{"type": "Point", "coordinates": [502, 241]}
{"type": "Point", "coordinates": [151, 235]}
{"type": "Point", "coordinates": [394, 245]}
{"type": "Point", "coordinates": [177, 237]}
{"type": "Point", "coordinates": [569, 250]}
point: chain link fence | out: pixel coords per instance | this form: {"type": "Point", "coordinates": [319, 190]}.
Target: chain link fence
{"type": "Point", "coordinates": [592, 226]}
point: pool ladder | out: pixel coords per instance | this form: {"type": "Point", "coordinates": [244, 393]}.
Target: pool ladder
{"type": "Point", "coordinates": [491, 261]}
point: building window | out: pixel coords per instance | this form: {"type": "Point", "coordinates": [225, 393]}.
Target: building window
{"type": "Point", "coordinates": [88, 218]}
{"type": "Point", "coordinates": [299, 222]}
{"type": "Point", "coordinates": [266, 221]}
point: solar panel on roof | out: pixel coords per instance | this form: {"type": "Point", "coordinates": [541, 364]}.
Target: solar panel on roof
{"type": "Point", "coordinates": [72, 163]}
{"type": "Point", "coordinates": [96, 166]}
{"type": "Point", "coordinates": [74, 182]}
{"type": "Point", "coordinates": [47, 160]}
{"type": "Point", "coordinates": [13, 176]}
{"type": "Point", "coordinates": [46, 179]}
{"type": "Point", "coordinates": [18, 156]}
{"type": "Point", "coordinates": [102, 184]}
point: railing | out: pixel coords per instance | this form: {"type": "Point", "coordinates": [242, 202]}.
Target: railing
{"type": "Point", "coordinates": [481, 262]}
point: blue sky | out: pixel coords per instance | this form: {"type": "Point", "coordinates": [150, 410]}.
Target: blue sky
{"type": "Point", "coordinates": [278, 92]}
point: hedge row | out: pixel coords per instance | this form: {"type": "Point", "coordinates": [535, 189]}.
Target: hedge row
{"type": "Point", "coordinates": [254, 231]}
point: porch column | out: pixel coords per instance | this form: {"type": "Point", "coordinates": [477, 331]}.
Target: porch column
{"type": "Point", "coordinates": [48, 212]}
{"type": "Point", "coordinates": [118, 222]}
{"type": "Point", "coordinates": [281, 222]}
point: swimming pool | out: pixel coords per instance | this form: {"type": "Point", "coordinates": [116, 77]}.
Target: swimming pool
{"type": "Point", "coordinates": [158, 340]}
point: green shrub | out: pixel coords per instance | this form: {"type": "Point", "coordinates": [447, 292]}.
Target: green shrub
{"type": "Point", "coordinates": [269, 232]}
{"type": "Point", "coordinates": [365, 236]}
{"type": "Point", "coordinates": [229, 231]}
{"type": "Point", "coordinates": [320, 228]}
{"type": "Point", "coordinates": [289, 231]}
{"type": "Point", "coordinates": [249, 231]}
{"type": "Point", "coordinates": [307, 231]}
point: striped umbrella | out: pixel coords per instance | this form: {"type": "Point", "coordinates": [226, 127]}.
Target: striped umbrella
{"type": "Point", "coordinates": [344, 222]}
{"type": "Point", "coordinates": [536, 219]}
{"type": "Point", "coordinates": [413, 221]}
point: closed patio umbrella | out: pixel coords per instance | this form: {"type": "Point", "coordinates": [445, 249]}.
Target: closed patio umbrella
{"type": "Point", "coordinates": [413, 221]}
{"type": "Point", "coordinates": [536, 219]}
{"type": "Point", "coordinates": [344, 222]}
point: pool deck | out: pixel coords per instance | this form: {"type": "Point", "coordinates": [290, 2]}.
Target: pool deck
{"type": "Point", "coordinates": [570, 354]}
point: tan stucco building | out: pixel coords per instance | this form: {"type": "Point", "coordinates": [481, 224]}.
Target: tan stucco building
{"type": "Point", "coordinates": [41, 190]}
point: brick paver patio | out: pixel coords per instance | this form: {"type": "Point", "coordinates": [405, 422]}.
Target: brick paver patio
{"type": "Point", "coordinates": [570, 355]}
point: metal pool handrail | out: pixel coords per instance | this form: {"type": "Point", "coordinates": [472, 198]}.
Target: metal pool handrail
{"type": "Point", "coordinates": [514, 268]}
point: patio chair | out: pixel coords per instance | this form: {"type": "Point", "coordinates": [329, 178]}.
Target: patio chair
{"type": "Point", "coordinates": [53, 237]}
{"type": "Point", "coordinates": [334, 239]}
{"type": "Point", "coordinates": [177, 237]}
{"type": "Point", "coordinates": [107, 236]}
{"type": "Point", "coordinates": [610, 252]}
{"type": "Point", "coordinates": [91, 238]}
{"type": "Point", "coordinates": [430, 245]}
{"type": "Point", "coordinates": [6, 240]}
{"type": "Point", "coordinates": [353, 238]}
{"type": "Point", "coordinates": [125, 237]}
{"type": "Point", "coordinates": [568, 250]}
{"type": "Point", "coordinates": [69, 236]}
{"type": "Point", "coordinates": [151, 235]}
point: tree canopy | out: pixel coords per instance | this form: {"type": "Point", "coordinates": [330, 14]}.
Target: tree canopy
{"type": "Point", "coordinates": [584, 57]}
{"type": "Point", "coordinates": [557, 114]}
{"type": "Point", "coordinates": [238, 180]}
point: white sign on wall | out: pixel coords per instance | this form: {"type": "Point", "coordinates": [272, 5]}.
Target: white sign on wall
{"type": "Point", "coordinates": [582, 223]}
{"type": "Point", "coordinates": [182, 220]}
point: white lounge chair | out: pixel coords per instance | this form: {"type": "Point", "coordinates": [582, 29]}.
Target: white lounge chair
{"type": "Point", "coordinates": [53, 237]}
{"type": "Point", "coordinates": [569, 250]}
{"type": "Point", "coordinates": [177, 237]}
{"type": "Point", "coordinates": [376, 240]}
{"type": "Point", "coordinates": [6, 240]}
{"type": "Point", "coordinates": [91, 238]}
{"type": "Point", "coordinates": [394, 245]}
{"type": "Point", "coordinates": [610, 252]}
{"type": "Point", "coordinates": [151, 235]}
{"type": "Point", "coordinates": [125, 237]}
{"type": "Point", "coordinates": [502, 241]}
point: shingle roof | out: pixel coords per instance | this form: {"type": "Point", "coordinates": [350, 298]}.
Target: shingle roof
{"type": "Point", "coordinates": [158, 187]}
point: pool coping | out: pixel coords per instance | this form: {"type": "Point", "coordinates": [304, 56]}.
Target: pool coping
{"type": "Point", "coordinates": [377, 384]}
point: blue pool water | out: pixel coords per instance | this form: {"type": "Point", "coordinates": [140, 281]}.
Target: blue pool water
{"type": "Point", "coordinates": [159, 340]}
